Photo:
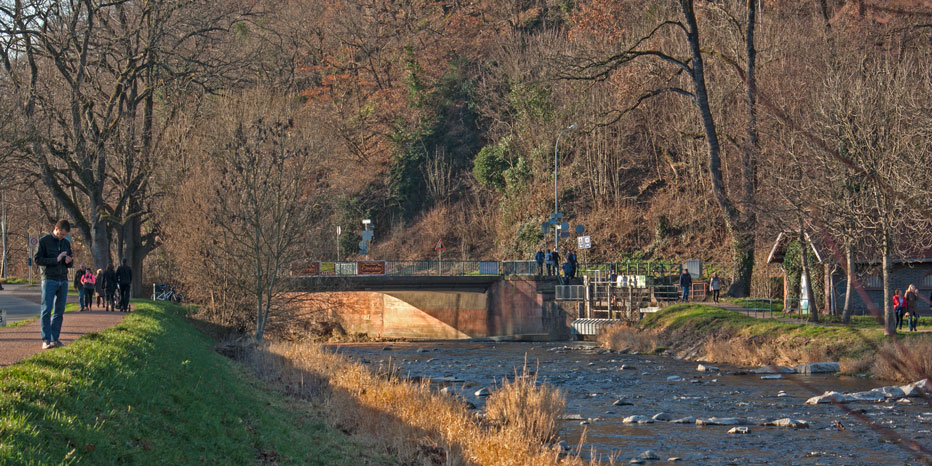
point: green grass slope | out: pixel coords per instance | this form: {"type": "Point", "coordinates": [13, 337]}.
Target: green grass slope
{"type": "Point", "coordinates": [151, 391]}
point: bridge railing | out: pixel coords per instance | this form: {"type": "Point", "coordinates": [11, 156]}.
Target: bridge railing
{"type": "Point", "coordinates": [423, 268]}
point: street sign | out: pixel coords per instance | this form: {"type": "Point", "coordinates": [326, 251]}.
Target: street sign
{"type": "Point", "coordinates": [31, 231]}
{"type": "Point", "coordinates": [439, 246]}
{"type": "Point", "coordinates": [367, 235]}
{"type": "Point", "coordinates": [545, 227]}
{"type": "Point", "coordinates": [584, 242]}
{"type": "Point", "coordinates": [33, 242]}
{"type": "Point", "coordinates": [580, 229]}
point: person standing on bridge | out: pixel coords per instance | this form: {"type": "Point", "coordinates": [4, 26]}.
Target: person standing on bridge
{"type": "Point", "coordinates": [55, 257]}
{"type": "Point", "coordinates": [556, 262]}
{"type": "Point", "coordinates": [686, 282]}
{"type": "Point", "coordinates": [571, 259]}
{"type": "Point", "coordinates": [539, 258]}
{"type": "Point", "coordinates": [549, 258]}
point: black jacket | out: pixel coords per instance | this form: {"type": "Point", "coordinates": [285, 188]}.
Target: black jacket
{"type": "Point", "coordinates": [77, 279]}
{"type": "Point", "coordinates": [686, 280]}
{"type": "Point", "coordinates": [109, 279]}
{"type": "Point", "coordinates": [47, 257]}
{"type": "Point", "coordinates": [124, 275]}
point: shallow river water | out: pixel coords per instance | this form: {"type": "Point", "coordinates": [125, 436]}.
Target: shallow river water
{"type": "Point", "coordinates": [593, 381]}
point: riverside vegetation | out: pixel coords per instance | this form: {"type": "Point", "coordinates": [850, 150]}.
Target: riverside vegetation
{"type": "Point", "coordinates": [701, 332]}
{"type": "Point", "coordinates": [152, 390]}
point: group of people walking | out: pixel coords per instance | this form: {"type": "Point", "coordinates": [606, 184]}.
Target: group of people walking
{"type": "Point", "coordinates": [55, 256]}
{"type": "Point", "coordinates": [906, 307]}
{"type": "Point", "coordinates": [105, 284]}
{"type": "Point", "coordinates": [554, 264]}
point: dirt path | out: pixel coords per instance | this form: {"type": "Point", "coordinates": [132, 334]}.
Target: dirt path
{"type": "Point", "coordinates": [22, 302]}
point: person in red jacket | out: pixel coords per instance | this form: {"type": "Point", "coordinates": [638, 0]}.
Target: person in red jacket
{"type": "Point", "coordinates": [899, 305]}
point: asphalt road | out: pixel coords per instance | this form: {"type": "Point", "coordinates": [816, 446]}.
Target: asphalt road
{"type": "Point", "coordinates": [23, 302]}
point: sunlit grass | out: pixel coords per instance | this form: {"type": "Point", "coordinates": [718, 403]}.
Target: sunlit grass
{"type": "Point", "coordinates": [151, 391]}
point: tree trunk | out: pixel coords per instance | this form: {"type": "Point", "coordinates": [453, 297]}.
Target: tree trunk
{"type": "Point", "coordinates": [743, 240]}
{"type": "Point", "coordinates": [849, 285]}
{"type": "Point", "coordinates": [889, 315]}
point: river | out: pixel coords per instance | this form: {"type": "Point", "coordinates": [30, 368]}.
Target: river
{"type": "Point", "coordinates": [602, 388]}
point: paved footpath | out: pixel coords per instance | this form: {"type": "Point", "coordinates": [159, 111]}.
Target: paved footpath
{"type": "Point", "coordinates": [22, 302]}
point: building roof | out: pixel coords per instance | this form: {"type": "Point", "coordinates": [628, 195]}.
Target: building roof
{"type": "Point", "coordinates": [778, 252]}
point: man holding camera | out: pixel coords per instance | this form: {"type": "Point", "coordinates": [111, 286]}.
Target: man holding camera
{"type": "Point", "coordinates": [55, 257]}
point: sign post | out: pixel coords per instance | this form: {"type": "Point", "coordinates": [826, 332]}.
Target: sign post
{"type": "Point", "coordinates": [440, 248]}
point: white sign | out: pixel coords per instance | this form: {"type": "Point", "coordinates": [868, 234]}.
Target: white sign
{"type": "Point", "coordinates": [585, 242]}
{"type": "Point", "coordinates": [33, 242]}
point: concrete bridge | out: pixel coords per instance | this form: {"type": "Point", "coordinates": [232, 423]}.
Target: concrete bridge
{"type": "Point", "coordinates": [424, 305]}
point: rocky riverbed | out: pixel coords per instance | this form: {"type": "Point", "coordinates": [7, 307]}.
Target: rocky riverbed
{"type": "Point", "coordinates": [659, 410]}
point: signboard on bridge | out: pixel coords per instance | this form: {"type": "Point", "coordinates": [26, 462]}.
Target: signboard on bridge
{"type": "Point", "coordinates": [370, 268]}
{"type": "Point", "coordinates": [584, 242]}
{"type": "Point", "coordinates": [311, 268]}
{"type": "Point", "coordinates": [327, 268]}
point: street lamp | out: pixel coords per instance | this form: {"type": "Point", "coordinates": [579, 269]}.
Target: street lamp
{"type": "Point", "coordinates": [556, 192]}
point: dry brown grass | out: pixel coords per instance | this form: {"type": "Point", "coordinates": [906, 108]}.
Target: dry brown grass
{"type": "Point", "coordinates": [623, 336]}
{"type": "Point", "coordinates": [764, 351]}
{"type": "Point", "coordinates": [528, 407]}
{"type": "Point", "coordinates": [410, 421]}
{"type": "Point", "coordinates": [904, 360]}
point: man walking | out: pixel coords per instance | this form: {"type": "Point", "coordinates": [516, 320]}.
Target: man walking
{"type": "Point", "coordinates": [55, 257]}
{"type": "Point", "coordinates": [686, 282]}
{"type": "Point", "coordinates": [124, 276]}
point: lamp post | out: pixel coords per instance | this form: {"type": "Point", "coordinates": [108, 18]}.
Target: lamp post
{"type": "Point", "coordinates": [556, 192]}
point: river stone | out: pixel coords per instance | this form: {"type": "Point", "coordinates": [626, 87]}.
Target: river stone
{"type": "Point", "coordinates": [917, 388]}
{"type": "Point", "coordinates": [386, 348]}
{"type": "Point", "coordinates": [636, 461]}
{"type": "Point", "coordinates": [648, 455]}
{"type": "Point", "coordinates": [739, 430]}
{"type": "Point", "coordinates": [704, 368]}
{"type": "Point", "coordinates": [819, 368]}
{"type": "Point", "coordinates": [792, 423]}
{"type": "Point", "coordinates": [782, 394]}
{"type": "Point", "coordinates": [662, 417]}
{"type": "Point", "coordinates": [771, 377]}
{"type": "Point", "coordinates": [674, 459]}
{"type": "Point", "coordinates": [482, 392]}
{"type": "Point", "coordinates": [773, 370]}
{"type": "Point", "coordinates": [870, 396]}
{"type": "Point", "coordinates": [827, 397]}
{"type": "Point", "coordinates": [625, 367]}
{"type": "Point", "coordinates": [892, 392]}
{"type": "Point", "coordinates": [637, 419]}
{"type": "Point", "coordinates": [422, 350]}
{"type": "Point", "coordinates": [718, 421]}
{"type": "Point", "coordinates": [674, 378]}
{"type": "Point", "coordinates": [684, 420]}
{"type": "Point", "coordinates": [571, 417]}
{"type": "Point", "coordinates": [622, 403]}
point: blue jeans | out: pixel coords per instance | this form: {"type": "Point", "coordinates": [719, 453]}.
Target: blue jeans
{"type": "Point", "coordinates": [81, 296]}
{"type": "Point", "coordinates": [685, 296]}
{"type": "Point", "coordinates": [54, 293]}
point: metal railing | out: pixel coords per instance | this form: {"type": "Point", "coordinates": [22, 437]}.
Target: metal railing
{"type": "Point", "coordinates": [424, 268]}
{"type": "Point", "coordinates": [759, 305]}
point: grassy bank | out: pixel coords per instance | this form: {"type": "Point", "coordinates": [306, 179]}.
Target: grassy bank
{"type": "Point", "coordinates": [702, 332]}
{"type": "Point", "coordinates": [151, 391]}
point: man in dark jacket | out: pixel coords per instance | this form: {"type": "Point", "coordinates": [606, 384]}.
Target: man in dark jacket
{"type": "Point", "coordinates": [686, 282]}
{"type": "Point", "coordinates": [55, 257]}
{"type": "Point", "coordinates": [124, 276]}
{"type": "Point", "coordinates": [539, 258]}
{"type": "Point", "coordinates": [110, 287]}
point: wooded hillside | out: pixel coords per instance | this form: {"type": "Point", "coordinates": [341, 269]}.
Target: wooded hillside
{"type": "Point", "coordinates": [703, 128]}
